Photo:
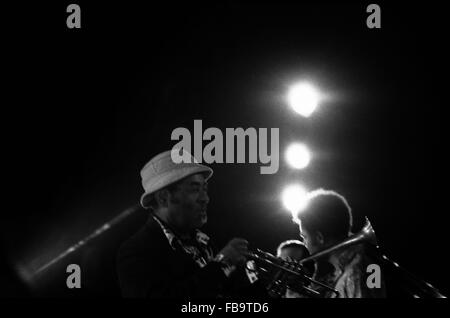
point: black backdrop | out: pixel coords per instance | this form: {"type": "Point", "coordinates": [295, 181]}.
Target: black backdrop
{"type": "Point", "coordinates": [87, 108]}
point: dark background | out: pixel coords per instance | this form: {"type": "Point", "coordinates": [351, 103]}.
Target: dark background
{"type": "Point", "coordinates": [88, 107]}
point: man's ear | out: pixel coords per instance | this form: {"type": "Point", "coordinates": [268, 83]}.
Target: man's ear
{"type": "Point", "coordinates": [320, 238]}
{"type": "Point", "coordinates": [162, 197]}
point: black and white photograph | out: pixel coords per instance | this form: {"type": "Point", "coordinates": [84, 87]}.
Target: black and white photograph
{"type": "Point", "coordinates": [224, 155]}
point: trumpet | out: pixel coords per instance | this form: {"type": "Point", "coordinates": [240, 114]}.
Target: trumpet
{"type": "Point", "coordinates": [366, 235]}
{"type": "Point", "coordinates": [410, 284]}
{"type": "Point", "coordinates": [266, 263]}
{"type": "Point", "coordinates": [284, 274]}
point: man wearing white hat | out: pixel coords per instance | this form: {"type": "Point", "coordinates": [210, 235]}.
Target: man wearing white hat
{"type": "Point", "coordinates": [170, 257]}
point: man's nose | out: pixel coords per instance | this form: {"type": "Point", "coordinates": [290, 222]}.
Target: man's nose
{"type": "Point", "coordinates": [204, 198]}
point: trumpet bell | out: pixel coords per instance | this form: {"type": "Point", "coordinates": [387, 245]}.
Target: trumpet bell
{"type": "Point", "coordinates": [365, 235]}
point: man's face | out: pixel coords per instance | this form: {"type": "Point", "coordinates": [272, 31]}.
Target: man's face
{"type": "Point", "coordinates": [188, 203]}
{"type": "Point", "coordinates": [311, 240]}
{"type": "Point", "coordinates": [292, 252]}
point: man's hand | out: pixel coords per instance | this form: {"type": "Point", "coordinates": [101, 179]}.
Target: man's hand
{"type": "Point", "coordinates": [234, 253]}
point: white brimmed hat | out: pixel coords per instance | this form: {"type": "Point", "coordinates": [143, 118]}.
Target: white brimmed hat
{"type": "Point", "coordinates": [161, 171]}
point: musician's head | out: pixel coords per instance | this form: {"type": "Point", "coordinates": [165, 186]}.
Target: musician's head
{"type": "Point", "coordinates": [177, 193]}
{"type": "Point", "coordinates": [293, 249]}
{"type": "Point", "coordinates": [326, 220]}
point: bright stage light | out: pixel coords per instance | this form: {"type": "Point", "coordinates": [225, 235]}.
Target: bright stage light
{"type": "Point", "coordinates": [295, 199]}
{"type": "Point", "coordinates": [303, 98]}
{"type": "Point", "coordinates": [298, 156]}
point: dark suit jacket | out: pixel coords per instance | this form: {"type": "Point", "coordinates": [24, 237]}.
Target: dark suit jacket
{"type": "Point", "coordinates": [149, 267]}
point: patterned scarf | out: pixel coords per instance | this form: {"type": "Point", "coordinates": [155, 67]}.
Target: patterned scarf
{"type": "Point", "coordinates": [200, 250]}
